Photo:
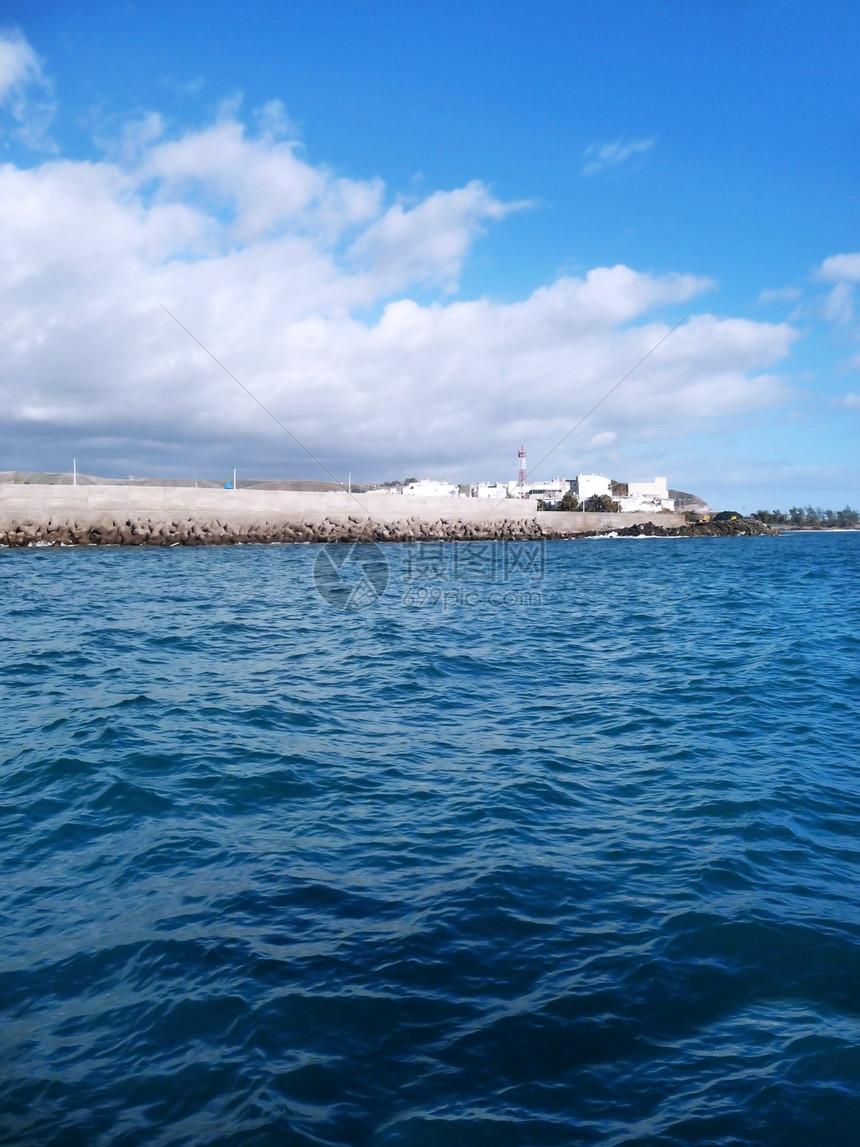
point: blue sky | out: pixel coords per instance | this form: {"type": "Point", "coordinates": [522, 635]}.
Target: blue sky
{"type": "Point", "coordinates": [390, 221]}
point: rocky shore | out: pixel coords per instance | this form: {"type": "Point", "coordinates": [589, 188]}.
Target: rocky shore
{"type": "Point", "coordinates": [737, 527]}
{"type": "Point", "coordinates": [352, 528]}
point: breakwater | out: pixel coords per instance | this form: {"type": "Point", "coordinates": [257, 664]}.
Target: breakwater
{"type": "Point", "coordinates": [167, 515]}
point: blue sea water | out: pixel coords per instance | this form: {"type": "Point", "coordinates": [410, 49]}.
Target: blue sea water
{"type": "Point", "coordinates": [503, 845]}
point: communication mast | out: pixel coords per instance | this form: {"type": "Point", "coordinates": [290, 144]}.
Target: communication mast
{"type": "Point", "coordinates": [523, 472]}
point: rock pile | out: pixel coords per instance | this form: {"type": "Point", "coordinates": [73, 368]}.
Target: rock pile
{"type": "Point", "coordinates": [736, 527]}
{"type": "Point", "coordinates": [189, 532]}
{"type": "Point", "coordinates": [354, 528]}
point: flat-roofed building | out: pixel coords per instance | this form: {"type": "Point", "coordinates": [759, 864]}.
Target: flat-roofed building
{"type": "Point", "coordinates": [430, 488]}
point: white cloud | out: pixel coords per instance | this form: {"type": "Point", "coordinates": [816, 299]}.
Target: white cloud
{"type": "Point", "coordinates": [780, 295]}
{"type": "Point", "coordinates": [428, 242]}
{"type": "Point", "coordinates": [25, 93]}
{"type": "Point", "coordinates": [600, 157]}
{"type": "Point", "coordinates": [838, 304]}
{"type": "Point", "coordinates": [848, 401]}
{"type": "Point", "coordinates": [18, 63]}
{"type": "Point", "coordinates": [300, 280]}
{"type": "Point", "coordinates": [840, 267]}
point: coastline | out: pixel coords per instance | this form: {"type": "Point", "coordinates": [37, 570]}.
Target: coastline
{"type": "Point", "coordinates": [168, 516]}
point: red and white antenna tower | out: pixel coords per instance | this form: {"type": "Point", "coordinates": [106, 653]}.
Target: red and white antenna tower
{"type": "Point", "coordinates": [523, 474]}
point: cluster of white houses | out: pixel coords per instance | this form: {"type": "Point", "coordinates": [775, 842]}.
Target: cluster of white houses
{"type": "Point", "coordinates": [647, 496]}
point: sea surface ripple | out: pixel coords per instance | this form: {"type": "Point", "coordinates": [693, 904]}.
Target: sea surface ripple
{"type": "Point", "coordinates": [566, 859]}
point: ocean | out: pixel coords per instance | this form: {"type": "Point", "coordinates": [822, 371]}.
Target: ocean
{"type": "Point", "coordinates": [504, 844]}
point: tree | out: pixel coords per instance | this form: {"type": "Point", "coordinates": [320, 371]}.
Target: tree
{"type": "Point", "coordinates": [569, 502]}
{"type": "Point", "coordinates": [812, 517]}
{"type": "Point", "coordinates": [600, 504]}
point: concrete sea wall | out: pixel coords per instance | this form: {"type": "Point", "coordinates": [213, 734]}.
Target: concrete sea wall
{"type": "Point", "coordinates": [167, 515]}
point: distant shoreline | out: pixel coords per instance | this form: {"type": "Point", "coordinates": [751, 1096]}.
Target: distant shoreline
{"type": "Point", "coordinates": [46, 515]}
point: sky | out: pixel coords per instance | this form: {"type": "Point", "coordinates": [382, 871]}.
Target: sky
{"type": "Point", "coordinates": [624, 235]}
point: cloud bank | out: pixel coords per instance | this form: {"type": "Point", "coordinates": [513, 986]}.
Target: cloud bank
{"type": "Point", "coordinates": [336, 304]}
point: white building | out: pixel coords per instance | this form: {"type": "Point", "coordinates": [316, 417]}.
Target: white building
{"type": "Point", "coordinates": [517, 490]}
{"type": "Point", "coordinates": [587, 486]}
{"type": "Point", "coordinates": [551, 491]}
{"type": "Point", "coordinates": [489, 490]}
{"type": "Point", "coordinates": [656, 489]}
{"type": "Point", "coordinates": [429, 488]}
{"type": "Point", "coordinates": [648, 496]}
